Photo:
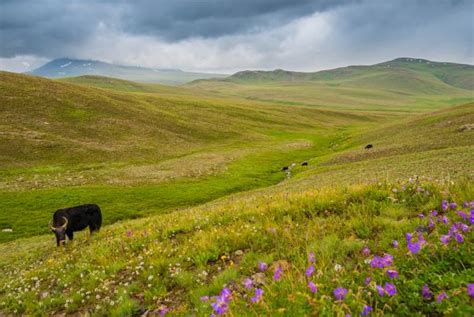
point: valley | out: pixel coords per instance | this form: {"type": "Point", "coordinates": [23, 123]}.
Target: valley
{"type": "Point", "coordinates": [189, 179]}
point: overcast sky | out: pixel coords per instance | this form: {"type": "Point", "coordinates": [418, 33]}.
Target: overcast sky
{"type": "Point", "coordinates": [230, 35]}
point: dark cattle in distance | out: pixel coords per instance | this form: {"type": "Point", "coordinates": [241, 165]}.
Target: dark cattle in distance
{"type": "Point", "coordinates": [284, 168]}
{"type": "Point", "coordinates": [368, 146]}
{"type": "Point", "coordinates": [304, 163]}
{"type": "Point", "coordinates": [66, 221]}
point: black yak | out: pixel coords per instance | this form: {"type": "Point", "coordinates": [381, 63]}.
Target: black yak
{"type": "Point", "coordinates": [305, 163]}
{"type": "Point", "coordinates": [67, 220]}
{"type": "Point", "coordinates": [284, 168]}
{"type": "Point", "coordinates": [368, 146]}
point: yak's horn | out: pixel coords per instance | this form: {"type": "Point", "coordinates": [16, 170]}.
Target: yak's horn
{"type": "Point", "coordinates": [65, 223]}
{"type": "Point", "coordinates": [50, 225]}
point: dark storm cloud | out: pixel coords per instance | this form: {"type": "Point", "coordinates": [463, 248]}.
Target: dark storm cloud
{"type": "Point", "coordinates": [55, 27]}
{"type": "Point", "coordinates": [210, 18]}
{"type": "Point", "coordinates": [47, 28]}
{"type": "Point", "coordinates": [230, 35]}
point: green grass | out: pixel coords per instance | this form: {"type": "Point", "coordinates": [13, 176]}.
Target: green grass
{"type": "Point", "coordinates": [201, 167]}
{"type": "Point", "coordinates": [144, 264]}
{"type": "Point", "coordinates": [395, 87]}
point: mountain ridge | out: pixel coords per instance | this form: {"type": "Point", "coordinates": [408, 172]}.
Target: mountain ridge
{"type": "Point", "coordinates": [69, 67]}
{"type": "Point", "coordinates": [453, 74]}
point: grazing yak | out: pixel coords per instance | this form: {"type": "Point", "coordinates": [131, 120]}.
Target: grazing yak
{"type": "Point", "coordinates": [66, 221]}
{"type": "Point", "coordinates": [368, 146]}
{"type": "Point", "coordinates": [305, 163]}
{"type": "Point", "coordinates": [284, 168]}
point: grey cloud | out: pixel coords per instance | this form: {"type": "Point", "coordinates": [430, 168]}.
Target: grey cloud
{"type": "Point", "coordinates": [212, 18]}
{"type": "Point", "coordinates": [55, 27]}
{"type": "Point", "coordinates": [229, 35]}
{"type": "Point", "coordinates": [47, 28]}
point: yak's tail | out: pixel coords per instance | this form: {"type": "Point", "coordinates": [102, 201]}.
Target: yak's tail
{"type": "Point", "coordinates": [99, 218]}
{"type": "Point", "coordinates": [97, 222]}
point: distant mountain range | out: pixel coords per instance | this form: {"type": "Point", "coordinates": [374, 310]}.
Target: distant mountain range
{"type": "Point", "coordinates": [401, 71]}
{"type": "Point", "coordinates": [409, 73]}
{"type": "Point", "coordinates": [66, 67]}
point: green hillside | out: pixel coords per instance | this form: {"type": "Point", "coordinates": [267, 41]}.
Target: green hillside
{"type": "Point", "coordinates": [201, 167]}
{"type": "Point", "coordinates": [171, 262]}
{"type": "Point", "coordinates": [142, 153]}
{"type": "Point", "coordinates": [116, 84]}
{"type": "Point", "coordinates": [455, 75]}
{"type": "Point", "coordinates": [402, 85]}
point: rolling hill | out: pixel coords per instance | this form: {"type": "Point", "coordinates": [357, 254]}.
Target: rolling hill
{"type": "Point", "coordinates": [108, 145]}
{"type": "Point", "coordinates": [202, 166]}
{"type": "Point", "coordinates": [66, 67]}
{"type": "Point", "coordinates": [456, 75]}
{"type": "Point", "coordinates": [400, 86]}
{"type": "Point", "coordinates": [177, 262]}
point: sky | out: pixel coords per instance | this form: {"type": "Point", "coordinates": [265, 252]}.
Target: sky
{"type": "Point", "coordinates": [226, 36]}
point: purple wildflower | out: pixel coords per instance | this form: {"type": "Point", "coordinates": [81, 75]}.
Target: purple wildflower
{"type": "Point", "coordinates": [390, 289]}
{"type": "Point", "coordinates": [453, 205]}
{"type": "Point", "coordinates": [311, 257]}
{"type": "Point", "coordinates": [392, 274]}
{"type": "Point", "coordinates": [408, 236]}
{"type": "Point", "coordinates": [462, 214]}
{"type": "Point", "coordinates": [421, 216]}
{"type": "Point", "coordinates": [376, 262]}
{"type": "Point", "coordinates": [204, 298]}
{"type": "Point", "coordinates": [387, 259]}
{"type": "Point", "coordinates": [444, 205]}
{"type": "Point", "coordinates": [277, 273]}
{"type": "Point", "coordinates": [309, 271]}
{"type": "Point", "coordinates": [414, 247]}
{"type": "Point", "coordinates": [445, 238]}
{"type": "Point", "coordinates": [366, 251]}
{"type": "Point", "coordinates": [380, 290]}
{"type": "Point", "coordinates": [441, 296]}
{"type": "Point", "coordinates": [421, 238]}
{"type": "Point", "coordinates": [431, 223]}
{"type": "Point", "coordinates": [463, 227]}
{"type": "Point", "coordinates": [248, 283]}
{"type": "Point", "coordinates": [366, 310]}
{"type": "Point", "coordinates": [381, 262]}
{"type": "Point", "coordinates": [445, 220]}
{"type": "Point", "coordinates": [367, 280]}
{"type": "Point", "coordinates": [340, 293]}
{"type": "Point", "coordinates": [262, 266]}
{"type": "Point", "coordinates": [470, 289]}
{"type": "Point", "coordinates": [425, 291]}
{"type": "Point", "coordinates": [434, 213]}
{"type": "Point", "coordinates": [258, 295]}
{"type": "Point", "coordinates": [162, 310]}
{"type": "Point", "coordinates": [459, 238]}
{"type": "Point", "coordinates": [312, 287]}
{"type": "Point", "coordinates": [395, 244]}
{"type": "Point", "coordinates": [471, 217]}
{"type": "Point", "coordinates": [221, 303]}
{"type": "Point", "coordinates": [453, 229]}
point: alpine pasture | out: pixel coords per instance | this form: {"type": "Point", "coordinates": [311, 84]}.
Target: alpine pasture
{"type": "Point", "coordinates": [200, 219]}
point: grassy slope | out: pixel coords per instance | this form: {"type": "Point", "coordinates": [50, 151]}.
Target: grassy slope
{"type": "Point", "coordinates": [145, 264]}
{"type": "Point", "coordinates": [142, 153]}
{"type": "Point", "coordinates": [411, 69]}
{"type": "Point", "coordinates": [399, 86]}
{"type": "Point", "coordinates": [432, 145]}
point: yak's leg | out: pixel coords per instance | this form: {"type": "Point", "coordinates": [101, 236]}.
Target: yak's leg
{"type": "Point", "coordinates": [92, 230]}
{"type": "Point", "coordinates": [70, 235]}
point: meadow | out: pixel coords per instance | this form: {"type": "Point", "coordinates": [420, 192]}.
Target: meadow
{"type": "Point", "coordinates": [222, 229]}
